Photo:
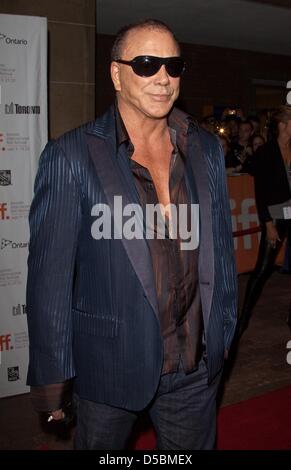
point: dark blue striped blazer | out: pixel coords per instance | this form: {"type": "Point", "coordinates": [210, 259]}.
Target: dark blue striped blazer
{"type": "Point", "coordinates": [92, 306]}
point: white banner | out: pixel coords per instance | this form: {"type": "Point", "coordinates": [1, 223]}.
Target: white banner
{"type": "Point", "coordinates": [23, 134]}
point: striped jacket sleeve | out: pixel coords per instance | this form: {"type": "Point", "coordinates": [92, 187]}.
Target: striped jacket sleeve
{"type": "Point", "coordinates": [54, 225]}
{"type": "Point", "coordinates": [226, 252]}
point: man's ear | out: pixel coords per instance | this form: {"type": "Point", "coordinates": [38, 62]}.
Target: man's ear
{"type": "Point", "coordinates": [115, 75]}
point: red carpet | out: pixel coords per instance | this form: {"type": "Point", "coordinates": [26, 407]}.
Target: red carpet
{"type": "Point", "coordinates": [261, 423]}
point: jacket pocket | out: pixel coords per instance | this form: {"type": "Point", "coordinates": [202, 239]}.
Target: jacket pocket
{"type": "Point", "coordinates": [95, 325]}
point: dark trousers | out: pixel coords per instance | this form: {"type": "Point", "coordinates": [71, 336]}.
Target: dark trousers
{"type": "Point", "coordinates": [263, 270]}
{"type": "Point", "coordinates": [183, 413]}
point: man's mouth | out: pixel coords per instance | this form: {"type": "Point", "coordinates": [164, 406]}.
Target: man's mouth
{"type": "Point", "coordinates": [161, 97]}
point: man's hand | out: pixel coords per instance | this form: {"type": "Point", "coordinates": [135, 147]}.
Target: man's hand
{"type": "Point", "coordinates": [225, 354]}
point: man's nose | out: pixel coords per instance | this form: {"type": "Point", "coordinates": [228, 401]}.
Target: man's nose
{"type": "Point", "coordinates": [162, 75]}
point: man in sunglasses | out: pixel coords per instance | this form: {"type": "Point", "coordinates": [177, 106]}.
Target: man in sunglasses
{"type": "Point", "coordinates": [133, 323]}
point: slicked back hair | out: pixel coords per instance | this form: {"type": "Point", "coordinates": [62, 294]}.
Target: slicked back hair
{"type": "Point", "coordinates": [121, 37]}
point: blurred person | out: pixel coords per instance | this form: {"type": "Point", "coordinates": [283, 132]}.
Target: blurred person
{"type": "Point", "coordinates": [235, 112]}
{"type": "Point", "coordinates": [245, 131]}
{"type": "Point", "coordinates": [249, 162]}
{"type": "Point", "coordinates": [241, 149]}
{"type": "Point", "coordinates": [210, 124]}
{"type": "Point", "coordinates": [240, 114]}
{"type": "Point", "coordinates": [227, 154]}
{"type": "Point", "coordinates": [272, 175]}
{"type": "Point", "coordinates": [256, 123]}
{"type": "Point", "coordinates": [224, 144]}
{"type": "Point", "coordinates": [231, 122]}
{"type": "Point", "coordinates": [256, 141]}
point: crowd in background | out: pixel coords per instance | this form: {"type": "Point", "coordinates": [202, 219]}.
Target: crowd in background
{"type": "Point", "coordinates": [240, 137]}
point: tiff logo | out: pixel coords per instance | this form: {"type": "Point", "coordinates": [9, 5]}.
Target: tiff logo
{"type": "Point", "coordinates": [244, 220]}
{"type": "Point", "coordinates": [19, 310]}
{"type": "Point", "coordinates": [5, 341]}
{"type": "Point", "coordinates": [15, 108]}
{"type": "Point", "coordinates": [3, 211]}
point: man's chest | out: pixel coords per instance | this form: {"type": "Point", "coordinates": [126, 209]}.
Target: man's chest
{"type": "Point", "coordinates": [159, 172]}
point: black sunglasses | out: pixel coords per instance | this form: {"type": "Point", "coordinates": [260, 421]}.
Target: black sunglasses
{"type": "Point", "coordinates": [148, 65]}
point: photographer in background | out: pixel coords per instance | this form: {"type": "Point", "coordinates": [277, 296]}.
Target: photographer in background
{"type": "Point", "coordinates": [272, 174]}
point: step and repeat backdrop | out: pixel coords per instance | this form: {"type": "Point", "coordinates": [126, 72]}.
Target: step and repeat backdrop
{"type": "Point", "coordinates": [23, 134]}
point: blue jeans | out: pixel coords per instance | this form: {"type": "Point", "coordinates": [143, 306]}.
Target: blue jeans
{"type": "Point", "coordinates": [183, 413]}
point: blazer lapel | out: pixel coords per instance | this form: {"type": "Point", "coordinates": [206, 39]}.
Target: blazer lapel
{"type": "Point", "coordinates": [206, 254]}
{"type": "Point", "coordinates": [102, 152]}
